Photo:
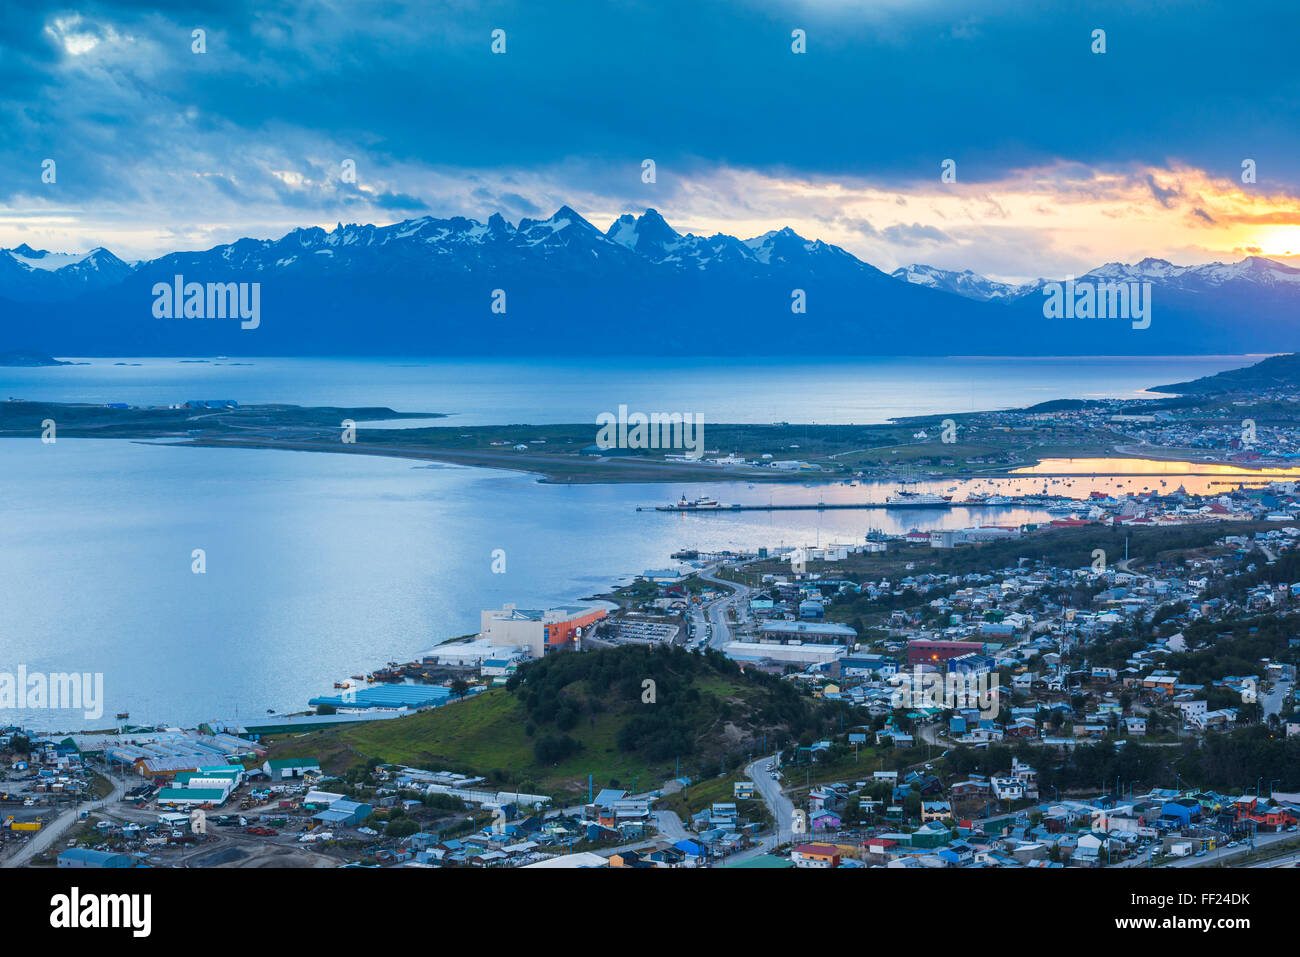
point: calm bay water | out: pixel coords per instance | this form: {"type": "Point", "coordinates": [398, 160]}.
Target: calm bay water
{"type": "Point", "coordinates": [490, 392]}
{"type": "Point", "coordinates": [320, 566]}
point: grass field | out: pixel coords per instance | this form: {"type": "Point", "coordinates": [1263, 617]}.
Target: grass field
{"type": "Point", "coordinates": [482, 735]}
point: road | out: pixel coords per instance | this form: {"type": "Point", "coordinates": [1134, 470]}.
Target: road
{"type": "Point", "coordinates": [1227, 853]}
{"type": "Point", "coordinates": [671, 830]}
{"type": "Point", "coordinates": [717, 611]}
{"type": "Point", "coordinates": [780, 806]}
{"type": "Point", "coordinates": [671, 827]}
{"type": "Point", "coordinates": [1285, 860]}
{"type": "Point", "coordinates": [55, 829]}
{"type": "Point", "coordinates": [1222, 855]}
{"type": "Point", "coordinates": [1272, 702]}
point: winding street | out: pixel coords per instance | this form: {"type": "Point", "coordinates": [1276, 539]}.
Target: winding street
{"type": "Point", "coordinates": [717, 611]}
{"type": "Point", "coordinates": [780, 806]}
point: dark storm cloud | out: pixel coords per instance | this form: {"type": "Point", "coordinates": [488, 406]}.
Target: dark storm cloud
{"type": "Point", "coordinates": [885, 95]}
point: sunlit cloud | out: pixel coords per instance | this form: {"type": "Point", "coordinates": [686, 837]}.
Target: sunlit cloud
{"type": "Point", "coordinates": [1056, 220]}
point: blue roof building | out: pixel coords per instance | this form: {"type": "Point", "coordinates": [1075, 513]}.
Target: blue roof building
{"type": "Point", "coordinates": [86, 857]}
{"type": "Point", "coordinates": [388, 696]}
{"type": "Point", "coordinates": [344, 813]}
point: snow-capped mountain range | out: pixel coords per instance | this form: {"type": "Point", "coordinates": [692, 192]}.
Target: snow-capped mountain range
{"type": "Point", "coordinates": [964, 283]}
{"type": "Point", "coordinates": [426, 287]}
{"type": "Point", "coordinates": [1256, 270]}
{"type": "Point", "coordinates": [37, 275]}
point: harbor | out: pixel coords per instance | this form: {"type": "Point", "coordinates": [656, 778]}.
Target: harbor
{"type": "Point", "coordinates": [902, 500]}
{"type": "Point", "coordinates": [797, 507]}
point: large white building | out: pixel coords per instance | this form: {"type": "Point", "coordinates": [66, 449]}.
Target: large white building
{"type": "Point", "coordinates": [806, 631]}
{"type": "Point", "coordinates": [538, 630]}
{"type": "Point", "coordinates": [564, 861]}
{"type": "Point", "coordinates": [807, 654]}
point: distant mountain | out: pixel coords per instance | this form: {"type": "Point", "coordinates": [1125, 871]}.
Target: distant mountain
{"type": "Point", "coordinates": [28, 359]}
{"type": "Point", "coordinates": [1253, 270]}
{"type": "Point", "coordinates": [36, 275]}
{"type": "Point", "coordinates": [965, 283]}
{"type": "Point", "coordinates": [1275, 372]}
{"type": "Point", "coordinates": [433, 286]}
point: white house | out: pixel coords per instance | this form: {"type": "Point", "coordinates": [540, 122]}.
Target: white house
{"type": "Point", "coordinates": [1193, 711]}
{"type": "Point", "coordinates": [1008, 789]}
{"type": "Point", "coordinates": [286, 769]}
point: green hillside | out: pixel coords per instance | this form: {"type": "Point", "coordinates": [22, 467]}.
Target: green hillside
{"type": "Point", "coordinates": [570, 715]}
{"type": "Point", "coordinates": [1275, 372]}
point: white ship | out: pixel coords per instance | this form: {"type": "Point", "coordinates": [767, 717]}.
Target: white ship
{"type": "Point", "coordinates": [903, 499]}
{"type": "Point", "coordinates": [702, 502]}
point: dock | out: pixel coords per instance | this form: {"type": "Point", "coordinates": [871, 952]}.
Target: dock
{"type": "Point", "coordinates": [818, 507]}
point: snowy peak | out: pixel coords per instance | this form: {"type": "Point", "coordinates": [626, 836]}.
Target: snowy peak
{"type": "Point", "coordinates": [47, 261]}
{"type": "Point", "coordinates": [415, 288]}
{"type": "Point", "coordinates": [964, 283]}
{"type": "Point", "coordinates": [38, 275]}
{"type": "Point", "coordinates": [648, 235]}
{"type": "Point", "coordinates": [1255, 271]}
{"type": "Point", "coordinates": [1148, 270]}
{"type": "Point", "coordinates": [784, 246]}
{"type": "Point", "coordinates": [623, 231]}
{"type": "Point", "coordinates": [652, 226]}
{"type": "Point", "coordinates": [634, 245]}
{"type": "Point", "coordinates": [564, 228]}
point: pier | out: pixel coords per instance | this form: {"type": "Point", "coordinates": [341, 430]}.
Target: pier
{"type": "Point", "coordinates": [818, 507]}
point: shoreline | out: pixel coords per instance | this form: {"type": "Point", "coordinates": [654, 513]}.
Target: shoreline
{"type": "Point", "coordinates": [953, 446]}
{"type": "Point", "coordinates": [825, 449]}
{"type": "Point", "coordinates": [668, 472]}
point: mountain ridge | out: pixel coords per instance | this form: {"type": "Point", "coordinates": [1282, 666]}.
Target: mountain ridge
{"type": "Point", "coordinates": [429, 286]}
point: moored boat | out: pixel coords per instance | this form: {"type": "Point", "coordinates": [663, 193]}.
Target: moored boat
{"type": "Point", "coordinates": [903, 499]}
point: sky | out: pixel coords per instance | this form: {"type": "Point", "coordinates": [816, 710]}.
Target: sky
{"type": "Point", "coordinates": [1064, 158]}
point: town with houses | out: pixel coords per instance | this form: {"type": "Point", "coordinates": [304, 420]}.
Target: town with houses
{"type": "Point", "coordinates": [1081, 693]}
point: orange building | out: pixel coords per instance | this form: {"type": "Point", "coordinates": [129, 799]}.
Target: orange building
{"type": "Point", "coordinates": [541, 631]}
{"type": "Point", "coordinates": [815, 855]}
